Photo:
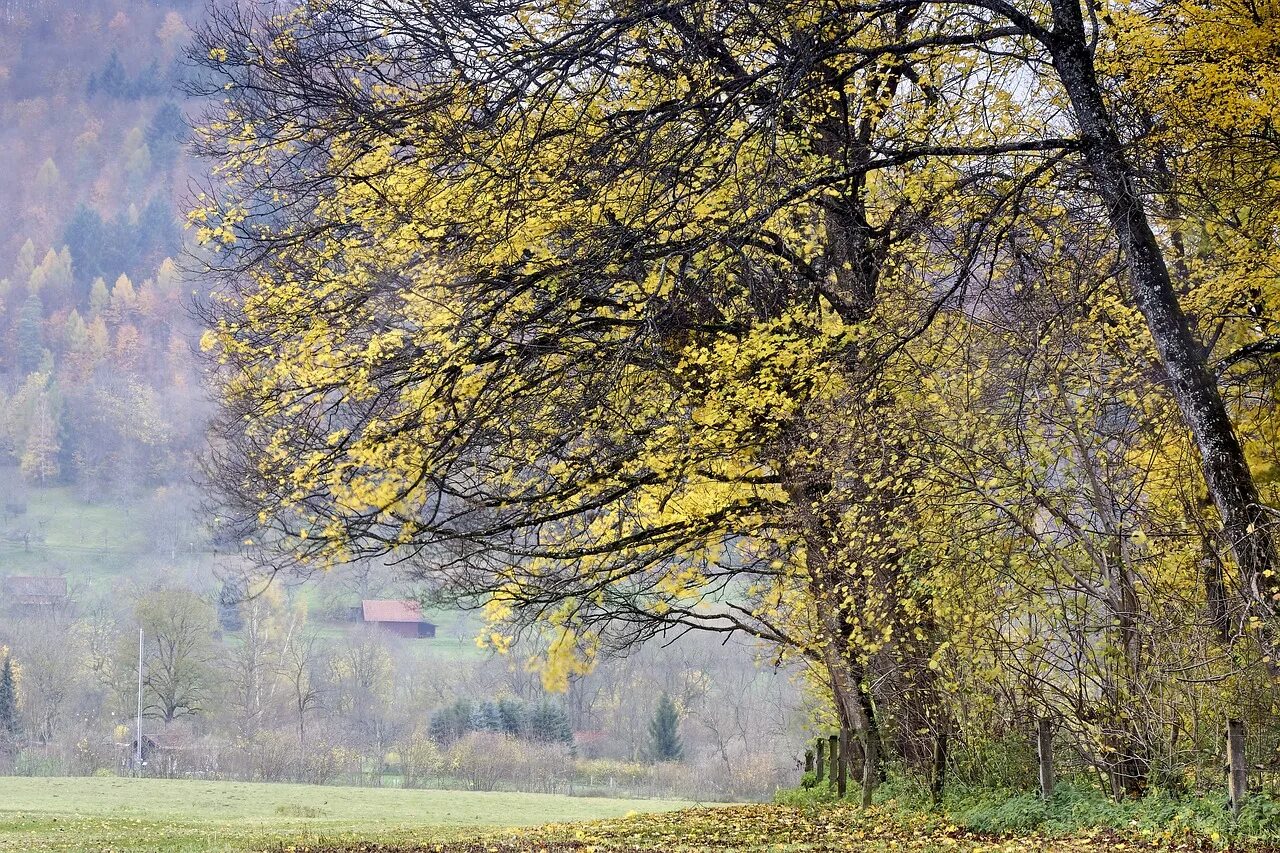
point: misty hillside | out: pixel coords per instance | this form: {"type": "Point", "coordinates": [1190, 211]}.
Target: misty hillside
{"type": "Point", "coordinates": [101, 409]}
{"type": "Point", "coordinates": [866, 413]}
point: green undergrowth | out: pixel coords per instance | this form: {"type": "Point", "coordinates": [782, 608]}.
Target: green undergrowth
{"type": "Point", "coordinates": [1075, 808]}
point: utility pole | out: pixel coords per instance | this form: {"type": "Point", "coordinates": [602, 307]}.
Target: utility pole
{"type": "Point", "coordinates": [137, 754]}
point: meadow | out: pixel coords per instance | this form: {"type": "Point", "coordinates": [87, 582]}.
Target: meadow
{"type": "Point", "coordinates": [188, 816]}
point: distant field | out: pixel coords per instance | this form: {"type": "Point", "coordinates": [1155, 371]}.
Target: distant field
{"type": "Point", "coordinates": [83, 540]}
{"type": "Point", "coordinates": [94, 544]}
{"type": "Point", "coordinates": [181, 816]}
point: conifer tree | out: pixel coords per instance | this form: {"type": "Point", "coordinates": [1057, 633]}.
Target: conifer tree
{"type": "Point", "coordinates": [511, 713]}
{"type": "Point", "coordinates": [8, 703]}
{"type": "Point", "coordinates": [548, 723]}
{"type": "Point", "coordinates": [30, 334]}
{"type": "Point", "coordinates": [664, 735]}
{"type": "Point", "coordinates": [48, 178]}
{"type": "Point", "coordinates": [486, 717]}
{"type": "Point", "coordinates": [99, 297]}
{"type": "Point", "coordinates": [451, 722]}
{"type": "Point", "coordinates": [26, 261]}
{"type": "Point", "coordinates": [75, 334]}
{"type": "Point", "coordinates": [39, 462]}
{"type": "Point", "coordinates": [124, 299]}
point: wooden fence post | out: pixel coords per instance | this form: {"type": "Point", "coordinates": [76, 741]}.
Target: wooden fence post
{"type": "Point", "coordinates": [1044, 749]}
{"type": "Point", "coordinates": [808, 761]}
{"type": "Point", "coordinates": [820, 765]}
{"type": "Point", "coordinates": [1237, 772]}
{"type": "Point", "coordinates": [833, 757]}
{"type": "Point", "coordinates": [842, 772]}
{"type": "Point", "coordinates": [870, 769]}
{"type": "Point", "coordinates": [939, 777]}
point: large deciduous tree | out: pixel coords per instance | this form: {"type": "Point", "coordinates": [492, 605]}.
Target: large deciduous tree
{"type": "Point", "coordinates": [178, 653]}
{"type": "Point", "coordinates": [597, 329]}
{"type": "Point", "coordinates": [649, 317]}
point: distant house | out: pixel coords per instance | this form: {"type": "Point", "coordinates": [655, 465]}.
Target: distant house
{"type": "Point", "coordinates": [27, 593]}
{"type": "Point", "coordinates": [403, 618]}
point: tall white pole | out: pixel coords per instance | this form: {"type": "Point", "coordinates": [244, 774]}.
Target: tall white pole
{"type": "Point", "coordinates": [137, 755]}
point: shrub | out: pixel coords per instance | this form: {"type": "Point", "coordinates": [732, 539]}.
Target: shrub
{"type": "Point", "coordinates": [486, 761]}
{"type": "Point", "coordinates": [420, 760]}
{"type": "Point", "coordinates": [805, 798]}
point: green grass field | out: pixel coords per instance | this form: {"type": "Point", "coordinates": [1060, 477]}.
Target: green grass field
{"type": "Point", "coordinates": [95, 544]}
{"type": "Point", "coordinates": [89, 542]}
{"type": "Point", "coordinates": [177, 816]}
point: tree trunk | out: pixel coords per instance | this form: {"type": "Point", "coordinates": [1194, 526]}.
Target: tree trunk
{"type": "Point", "coordinates": [858, 715]}
{"type": "Point", "coordinates": [870, 771]}
{"type": "Point", "coordinates": [1044, 752]}
{"type": "Point", "coordinates": [1222, 459]}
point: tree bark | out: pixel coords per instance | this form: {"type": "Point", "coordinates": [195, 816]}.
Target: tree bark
{"type": "Point", "coordinates": [1184, 360]}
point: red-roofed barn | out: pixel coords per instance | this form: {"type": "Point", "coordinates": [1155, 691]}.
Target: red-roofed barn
{"type": "Point", "coordinates": [403, 618]}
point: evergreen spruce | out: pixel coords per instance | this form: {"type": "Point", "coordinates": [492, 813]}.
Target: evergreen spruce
{"type": "Point", "coordinates": [511, 712]}
{"type": "Point", "coordinates": [548, 723]}
{"type": "Point", "coordinates": [664, 734]}
{"type": "Point", "coordinates": [486, 717]}
{"type": "Point", "coordinates": [29, 334]}
{"type": "Point", "coordinates": [8, 704]}
{"type": "Point", "coordinates": [451, 723]}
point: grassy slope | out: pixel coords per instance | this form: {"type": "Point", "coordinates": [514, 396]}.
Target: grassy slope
{"type": "Point", "coordinates": [93, 544]}
{"type": "Point", "coordinates": [179, 815]}
{"type": "Point", "coordinates": [84, 540]}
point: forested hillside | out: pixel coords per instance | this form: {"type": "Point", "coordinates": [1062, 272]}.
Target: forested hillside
{"type": "Point", "coordinates": [97, 384]}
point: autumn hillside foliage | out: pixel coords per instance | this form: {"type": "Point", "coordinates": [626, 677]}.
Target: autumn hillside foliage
{"type": "Point", "coordinates": [930, 344]}
{"type": "Point", "coordinates": [98, 390]}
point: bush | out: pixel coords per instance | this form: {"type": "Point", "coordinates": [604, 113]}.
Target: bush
{"type": "Point", "coordinates": [1077, 806]}
{"type": "Point", "coordinates": [33, 763]}
{"type": "Point", "coordinates": [420, 760]}
{"type": "Point", "coordinates": [89, 757]}
{"type": "Point", "coordinates": [486, 761]}
{"type": "Point", "coordinates": [322, 764]}
{"type": "Point", "coordinates": [805, 798]}
{"type": "Point", "coordinates": [1001, 812]}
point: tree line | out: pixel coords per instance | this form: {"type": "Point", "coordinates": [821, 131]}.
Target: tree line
{"type": "Point", "coordinates": [288, 694]}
